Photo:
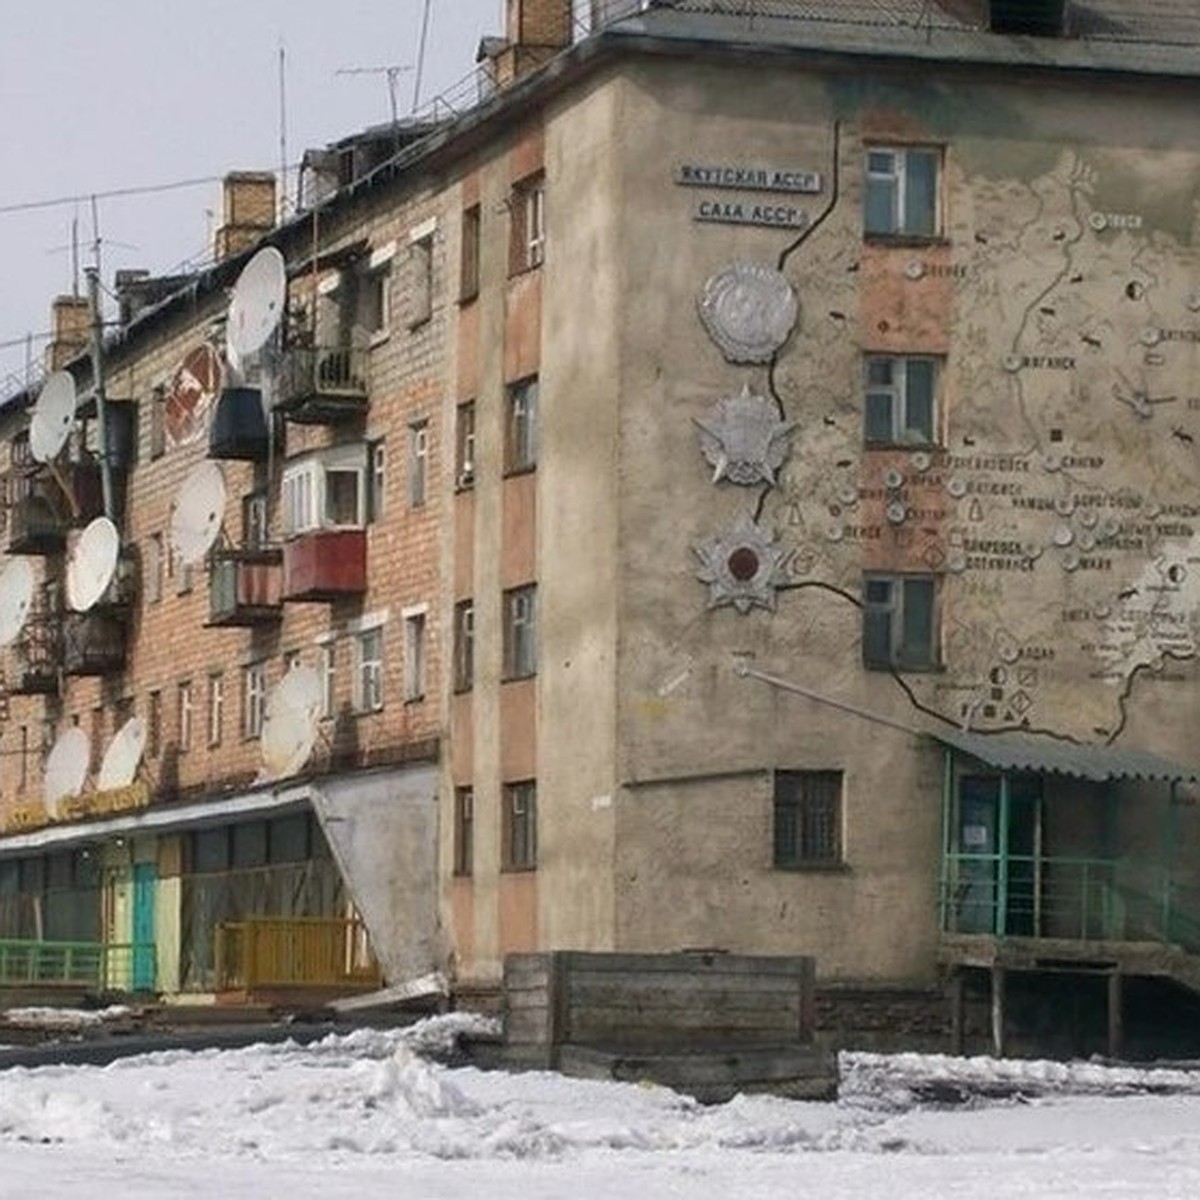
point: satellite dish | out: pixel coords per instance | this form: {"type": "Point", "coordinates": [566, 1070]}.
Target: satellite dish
{"type": "Point", "coordinates": [289, 729]}
{"type": "Point", "coordinates": [66, 769]}
{"type": "Point", "coordinates": [92, 564]}
{"type": "Point", "coordinates": [53, 416]}
{"type": "Point", "coordinates": [257, 306]}
{"type": "Point", "coordinates": [198, 512]}
{"type": "Point", "coordinates": [16, 596]}
{"type": "Point", "coordinates": [123, 755]}
{"type": "Point", "coordinates": [194, 388]}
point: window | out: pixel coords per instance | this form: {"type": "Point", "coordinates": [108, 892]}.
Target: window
{"type": "Point", "coordinates": [328, 678]}
{"type": "Point", "coordinates": [216, 708]}
{"type": "Point", "coordinates": [325, 491]}
{"type": "Point", "coordinates": [420, 282]}
{"type": "Point", "coordinates": [900, 622]}
{"type": "Point", "coordinates": [254, 521]}
{"type": "Point", "coordinates": [900, 400]}
{"type": "Point", "coordinates": [378, 498]}
{"type": "Point", "coordinates": [23, 761]}
{"type": "Point", "coordinates": [468, 277]}
{"type": "Point", "coordinates": [464, 830]}
{"type": "Point", "coordinates": [155, 566]}
{"type": "Point", "coordinates": [154, 725]}
{"type": "Point", "coordinates": [418, 461]}
{"type": "Point", "coordinates": [184, 699]}
{"type": "Point", "coordinates": [254, 698]}
{"type": "Point", "coordinates": [527, 247]}
{"type": "Point", "coordinates": [520, 632]}
{"type": "Point", "coordinates": [158, 423]}
{"type": "Point", "coordinates": [414, 656]}
{"type": "Point", "coordinates": [180, 571]}
{"type": "Point", "coordinates": [902, 191]}
{"type": "Point", "coordinates": [520, 447]}
{"type": "Point", "coordinates": [464, 645]}
{"type": "Point", "coordinates": [808, 818]}
{"type": "Point", "coordinates": [464, 446]}
{"type": "Point", "coordinates": [520, 827]}
{"type": "Point", "coordinates": [368, 671]}
{"type": "Point", "coordinates": [375, 300]}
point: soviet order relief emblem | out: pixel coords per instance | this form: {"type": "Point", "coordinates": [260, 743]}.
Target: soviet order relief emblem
{"type": "Point", "coordinates": [749, 310]}
{"type": "Point", "coordinates": [743, 566]}
{"type": "Point", "coordinates": [744, 438]}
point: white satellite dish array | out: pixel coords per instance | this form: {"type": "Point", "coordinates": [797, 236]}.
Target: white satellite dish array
{"type": "Point", "coordinates": [255, 312]}
{"type": "Point", "coordinates": [16, 598]}
{"type": "Point", "coordinates": [198, 512]}
{"type": "Point", "coordinates": [92, 564]}
{"type": "Point", "coordinates": [67, 763]}
{"type": "Point", "coordinates": [123, 755]}
{"type": "Point", "coordinates": [290, 725]}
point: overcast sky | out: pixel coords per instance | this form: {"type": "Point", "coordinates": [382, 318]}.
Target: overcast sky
{"type": "Point", "coordinates": [97, 95]}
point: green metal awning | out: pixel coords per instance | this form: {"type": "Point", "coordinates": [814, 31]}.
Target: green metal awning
{"type": "Point", "coordinates": [1025, 752]}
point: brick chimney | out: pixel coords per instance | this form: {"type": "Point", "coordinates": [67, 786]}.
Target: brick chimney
{"type": "Point", "coordinates": [70, 322]}
{"type": "Point", "coordinates": [249, 211]}
{"type": "Point", "coordinates": [535, 31]}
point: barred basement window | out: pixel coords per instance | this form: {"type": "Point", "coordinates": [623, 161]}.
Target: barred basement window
{"type": "Point", "coordinates": [808, 819]}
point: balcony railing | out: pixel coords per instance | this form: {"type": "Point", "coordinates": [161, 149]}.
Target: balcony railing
{"type": "Point", "coordinates": [266, 952]}
{"type": "Point", "coordinates": [39, 510]}
{"type": "Point", "coordinates": [245, 586]}
{"type": "Point", "coordinates": [1073, 899]}
{"type": "Point", "coordinates": [94, 642]}
{"type": "Point", "coordinates": [323, 386]}
{"type": "Point", "coordinates": [96, 966]}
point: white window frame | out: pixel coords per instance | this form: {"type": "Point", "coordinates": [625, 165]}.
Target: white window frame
{"type": "Point", "coordinates": [184, 699]}
{"type": "Point", "coordinates": [464, 645]}
{"type": "Point", "coordinates": [155, 568]}
{"type": "Point", "coordinates": [254, 698]}
{"type": "Point", "coordinates": [420, 257]}
{"type": "Point", "coordinates": [464, 445]}
{"type": "Point", "coordinates": [415, 647]}
{"type": "Point", "coordinates": [897, 395]}
{"type": "Point", "coordinates": [328, 679]}
{"type": "Point", "coordinates": [368, 670]}
{"type": "Point", "coordinates": [304, 490]}
{"type": "Point", "coordinates": [895, 179]}
{"type": "Point", "coordinates": [893, 611]}
{"type": "Point", "coordinates": [521, 448]}
{"type": "Point", "coordinates": [520, 632]}
{"type": "Point", "coordinates": [378, 466]}
{"type": "Point", "coordinates": [418, 462]}
{"type": "Point", "coordinates": [216, 708]}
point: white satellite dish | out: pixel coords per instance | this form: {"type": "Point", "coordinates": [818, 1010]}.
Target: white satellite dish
{"type": "Point", "coordinates": [16, 597]}
{"type": "Point", "coordinates": [257, 305]}
{"type": "Point", "coordinates": [289, 729]}
{"type": "Point", "coordinates": [53, 416]}
{"type": "Point", "coordinates": [198, 512]}
{"type": "Point", "coordinates": [123, 755]}
{"type": "Point", "coordinates": [92, 564]}
{"type": "Point", "coordinates": [66, 769]}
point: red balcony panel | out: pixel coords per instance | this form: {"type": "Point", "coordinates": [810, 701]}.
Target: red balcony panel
{"type": "Point", "coordinates": [245, 587]}
{"type": "Point", "coordinates": [325, 565]}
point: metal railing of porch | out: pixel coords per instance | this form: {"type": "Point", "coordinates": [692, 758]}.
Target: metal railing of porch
{"type": "Point", "coordinates": [1068, 898]}
{"type": "Point", "coordinates": [96, 966]}
{"type": "Point", "coordinates": [294, 952]}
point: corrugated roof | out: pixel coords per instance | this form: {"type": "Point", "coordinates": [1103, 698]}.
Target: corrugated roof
{"type": "Point", "coordinates": [1145, 37]}
{"type": "Point", "coordinates": [1025, 752]}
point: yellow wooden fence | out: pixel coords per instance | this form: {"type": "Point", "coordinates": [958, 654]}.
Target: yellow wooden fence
{"type": "Point", "coordinates": [264, 952]}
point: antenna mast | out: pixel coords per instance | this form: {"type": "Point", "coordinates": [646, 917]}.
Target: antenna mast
{"type": "Point", "coordinates": [283, 156]}
{"type": "Point", "coordinates": [421, 54]}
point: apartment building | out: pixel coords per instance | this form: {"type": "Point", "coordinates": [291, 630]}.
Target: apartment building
{"type": "Point", "coordinates": [766, 442]}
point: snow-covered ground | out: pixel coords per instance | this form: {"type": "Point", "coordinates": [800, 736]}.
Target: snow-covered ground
{"type": "Point", "coordinates": [367, 1115]}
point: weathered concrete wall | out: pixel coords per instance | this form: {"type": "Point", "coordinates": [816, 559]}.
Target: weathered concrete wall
{"type": "Point", "coordinates": [382, 829]}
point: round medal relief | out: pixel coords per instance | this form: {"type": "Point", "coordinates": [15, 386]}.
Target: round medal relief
{"type": "Point", "coordinates": [749, 310]}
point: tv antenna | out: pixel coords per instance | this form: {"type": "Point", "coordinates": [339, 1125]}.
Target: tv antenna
{"type": "Point", "coordinates": [392, 73]}
{"type": "Point", "coordinates": [16, 598]}
{"type": "Point", "coordinates": [66, 769]}
{"type": "Point", "coordinates": [92, 564]}
{"type": "Point", "coordinates": [123, 755]}
{"type": "Point", "coordinates": [290, 724]}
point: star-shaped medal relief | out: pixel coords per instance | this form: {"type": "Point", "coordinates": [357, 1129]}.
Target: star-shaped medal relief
{"type": "Point", "coordinates": [744, 438]}
{"type": "Point", "coordinates": [744, 566]}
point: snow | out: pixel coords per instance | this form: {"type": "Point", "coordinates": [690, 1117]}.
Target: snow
{"type": "Point", "coordinates": [62, 1019]}
{"type": "Point", "coordinates": [370, 1114]}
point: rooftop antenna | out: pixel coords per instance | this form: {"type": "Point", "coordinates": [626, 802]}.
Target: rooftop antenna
{"type": "Point", "coordinates": [392, 73]}
{"type": "Point", "coordinates": [283, 155]}
{"type": "Point", "coordinates": [421, 54]}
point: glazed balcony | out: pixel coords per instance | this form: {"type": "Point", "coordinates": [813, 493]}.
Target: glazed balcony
{"type": "Point", "coordinates": [323, 386]}
{"type": "Point", "coordinates": [245, 587]}
{"type": "Point", "coordinates": [40, 511]}
{"type": "Point", "coordinates": [326, 564]}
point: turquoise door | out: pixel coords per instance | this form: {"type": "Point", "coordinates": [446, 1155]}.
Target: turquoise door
{"type": "Point", "coordinates": [144, 877]}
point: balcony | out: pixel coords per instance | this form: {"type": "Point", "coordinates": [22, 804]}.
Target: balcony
{"type": "Point", "coordinates": [40, 509]}
{"type": "Point", "coordinates": [239, 426]}
{"type": "Point", "coordinates": [323, 386]}
{"type": "Point", "coordinates": [326, 564]}
{"type": "Point", "coordinates": [93, 643]}
{"type": "Point", "coordinates": [245, 587]}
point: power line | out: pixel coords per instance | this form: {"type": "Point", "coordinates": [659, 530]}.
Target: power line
{"type": "Point", "coordinates": [111, 194]}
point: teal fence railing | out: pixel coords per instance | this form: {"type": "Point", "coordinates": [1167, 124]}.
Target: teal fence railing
{"type": "Point", "coordinates": [96, 966]}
